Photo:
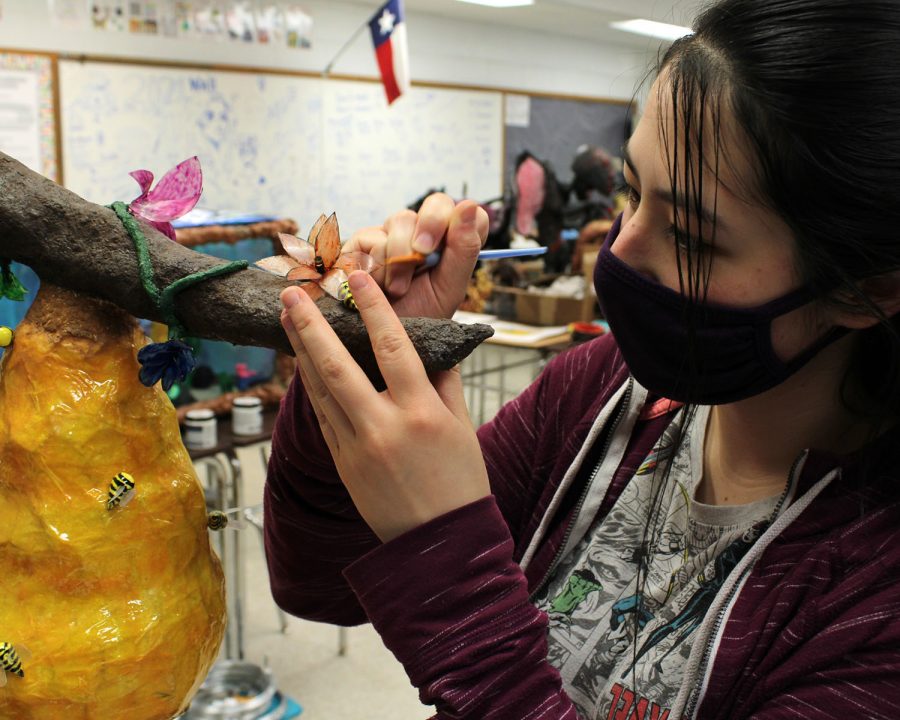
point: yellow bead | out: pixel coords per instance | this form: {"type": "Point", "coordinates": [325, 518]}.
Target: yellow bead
{"type": "Point", "coordinates": [6, 336]}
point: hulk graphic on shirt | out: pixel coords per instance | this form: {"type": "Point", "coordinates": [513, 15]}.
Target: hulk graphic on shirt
{"type": "Point", "coordinates": [581, 583]}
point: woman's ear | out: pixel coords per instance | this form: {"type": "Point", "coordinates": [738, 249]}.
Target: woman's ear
{"type": "Point", "coordinates": [882, 290]}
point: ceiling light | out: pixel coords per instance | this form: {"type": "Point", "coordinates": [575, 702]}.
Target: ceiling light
{"type": "Point", "coordinates": [499, 3]}
{"type": "Point", "coordinates": [652, 28]}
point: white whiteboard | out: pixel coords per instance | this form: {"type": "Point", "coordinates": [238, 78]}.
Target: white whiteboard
{"type": "Point", "coordinates": [286, 146]}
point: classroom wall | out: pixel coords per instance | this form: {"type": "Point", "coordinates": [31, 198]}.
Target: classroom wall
{"type": "Point", "coordinates": [441, 50]}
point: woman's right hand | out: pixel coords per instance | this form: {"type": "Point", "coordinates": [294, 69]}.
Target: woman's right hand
{"type": "Point", "coordinates": [459, 230]}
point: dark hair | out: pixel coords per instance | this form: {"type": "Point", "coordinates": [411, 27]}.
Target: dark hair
{"type": "Point", "coordinates": [815, 87]}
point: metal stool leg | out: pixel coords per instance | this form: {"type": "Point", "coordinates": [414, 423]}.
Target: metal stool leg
{"type": "Point", "coordinates": [254, 517]}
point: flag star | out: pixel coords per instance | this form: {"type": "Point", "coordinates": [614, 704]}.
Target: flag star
{"type": "Point", "coordinates": [386, 22]}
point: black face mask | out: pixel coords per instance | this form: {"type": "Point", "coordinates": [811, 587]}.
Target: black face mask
{"type": "Point", "coordinates": [732, 347]}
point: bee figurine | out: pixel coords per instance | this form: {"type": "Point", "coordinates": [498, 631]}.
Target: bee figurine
{"type": "Point", "coordinates": [121, 491]}
{"type": "Point", "coordinates": [6, 336]}
{"type": "Point", "coordinates": [220, 519]}
{"type": "Point", "coordinates": [11, 661]}
{"type": "Point", "coordinates": [319, 262]}
{"type": "Point", "coordinates": [346, 297]}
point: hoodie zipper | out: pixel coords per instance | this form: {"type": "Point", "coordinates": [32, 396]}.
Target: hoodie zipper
{"type": "Point", "coordinates": [720, 616]}
{"type": "Point", "coordinates": [623, 409]}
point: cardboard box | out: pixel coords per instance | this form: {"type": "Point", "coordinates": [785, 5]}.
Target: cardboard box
{"type": "Point", "coordinates": [539, 309]}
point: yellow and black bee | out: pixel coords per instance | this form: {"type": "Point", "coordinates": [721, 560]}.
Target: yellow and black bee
{"type": "Point", "coordinates": [11, 661]}
{"type": "Point", "coordinates": [216, 520]}
{"type": "Point", "coordinates": [346, 297]}
{"type": "Point", "coordinates": [219, 519]}
{"type": "Point", "coordinates": [121, 491]}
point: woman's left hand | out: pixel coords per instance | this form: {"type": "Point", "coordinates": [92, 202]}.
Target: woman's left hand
{"type": "Point", "coordinates": [407, 454]}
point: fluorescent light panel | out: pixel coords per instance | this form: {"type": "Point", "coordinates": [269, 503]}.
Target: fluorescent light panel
{"type": "Point", "coordinates": [652, 28]}
{"type": "Point", "coordinates": [499, 3]}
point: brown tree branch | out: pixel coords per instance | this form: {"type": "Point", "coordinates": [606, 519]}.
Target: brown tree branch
{"type": "Point", "coordinates": [83, 247]}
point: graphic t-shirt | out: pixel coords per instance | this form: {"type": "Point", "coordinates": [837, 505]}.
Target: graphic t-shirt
{"type": "Point", "coordinates": [625, 603]}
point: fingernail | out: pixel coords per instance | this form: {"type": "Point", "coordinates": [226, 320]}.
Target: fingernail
{"type": "Point", "coordinates": [468, 215]}
{"type": "Point", "coordinates": [290, 299]}
{"type": "Point", "coordinates": [424, 243]}
{"type": "Point", "coordinates": [358, 281]}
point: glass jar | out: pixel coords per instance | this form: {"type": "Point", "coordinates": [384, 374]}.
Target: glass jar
{"type": "Point", "coordinates": [200, 430]}
{"type": "Point", "coordinates": [246, 416]}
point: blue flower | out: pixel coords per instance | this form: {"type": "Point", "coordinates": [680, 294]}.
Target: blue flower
{"type": "Point", "coordinates": [168, 361]}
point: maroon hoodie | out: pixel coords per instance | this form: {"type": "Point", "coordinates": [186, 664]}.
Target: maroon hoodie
{"type": "Point", "coordinates": [808, 625]}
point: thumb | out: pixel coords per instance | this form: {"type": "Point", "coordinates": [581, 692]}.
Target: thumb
{"type": "Point", "coordinates": [466, 234]}
{"type": "Point", "coordinates": [449, 387]}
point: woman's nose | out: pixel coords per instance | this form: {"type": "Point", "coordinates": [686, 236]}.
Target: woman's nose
{"type": "Point", "coordinates": [634, 247]}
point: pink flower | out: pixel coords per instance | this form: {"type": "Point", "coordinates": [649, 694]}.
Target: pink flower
{"type": "Point", "coordinates": [174, 195]}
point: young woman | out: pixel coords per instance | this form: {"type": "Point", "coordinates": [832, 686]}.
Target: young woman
{"type": "Point", "coordinates": [697, 516]}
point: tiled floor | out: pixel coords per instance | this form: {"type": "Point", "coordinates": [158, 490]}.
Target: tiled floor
{"type": "Point", "coordinates": [367, 682]}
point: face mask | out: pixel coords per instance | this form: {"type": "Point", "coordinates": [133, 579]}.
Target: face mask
{"type": "Point", "coordinates": [732, 347]}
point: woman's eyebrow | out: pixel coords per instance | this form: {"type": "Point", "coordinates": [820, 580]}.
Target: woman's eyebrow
{"type": "Point", "coordinates": [626, 155]}
{"type": "Point", "coordinates": [665, 195]}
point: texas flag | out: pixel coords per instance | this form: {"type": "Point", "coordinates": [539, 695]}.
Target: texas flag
{"type": "Point", "coordinates": [389, 37]}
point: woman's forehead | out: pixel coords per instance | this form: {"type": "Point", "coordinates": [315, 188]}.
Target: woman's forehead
{"type": "Point", "coordinates": [676, 133]}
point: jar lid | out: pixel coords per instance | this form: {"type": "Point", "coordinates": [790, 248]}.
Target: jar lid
{"type": "Point", "coordinates": [246, 402]}
{"type": "Point", "coordinates": [200, 414]}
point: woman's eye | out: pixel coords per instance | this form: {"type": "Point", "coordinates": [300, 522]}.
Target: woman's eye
{"type": "Point", "coordinates": [687, 243]}
{"type": "Point", "coordinates": [632, 196]}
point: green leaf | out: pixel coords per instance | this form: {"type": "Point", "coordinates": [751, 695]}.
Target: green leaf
{"type": "Point", "coordinates": [10, 287]}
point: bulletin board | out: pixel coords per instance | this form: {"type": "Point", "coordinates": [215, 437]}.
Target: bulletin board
{"type": "Point", "coordinates": [29, 132]}
{"type": "Point", "coordinates": [552, 128]}
{"type": "Point", "coordinates": [29, 111]}
{"type": "Point", "coordinates": [284, 145]}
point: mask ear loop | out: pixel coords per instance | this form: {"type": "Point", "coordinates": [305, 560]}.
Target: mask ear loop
{"type": "Point", "coordinates": [779, 366]}
{"type": "Point", "coordinates": [782, 306]}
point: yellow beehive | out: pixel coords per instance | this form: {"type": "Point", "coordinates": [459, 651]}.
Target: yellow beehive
{"type": "Point", "coordinates": [122, 611]}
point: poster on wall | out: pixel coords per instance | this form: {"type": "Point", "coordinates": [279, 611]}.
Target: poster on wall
{"type": "Point", "coordinates": [517, 110]}
{"type": "Point", "coordinates": [239, 20]}
{"type": "Point", "coordinates": [20, 117]}
{"type": "Point", "coordinates": [143, 17]}
{"type": "Point", "coordinates": [109, 16]}
{"type": "Point", "coordinates": [209, 20]}
{"type": "Point", "coordinates": [69, 14]}
{"type": "Point", "coordinates": [269, 23]}
{"type": "Point", "coordinates": [27, 120]}
{"type": "Point", "coordinates": [183, 13]}
{"type": "Point", "coordinates": [167, 18]}
{"type": "Point", "coordinates": [298, 26]}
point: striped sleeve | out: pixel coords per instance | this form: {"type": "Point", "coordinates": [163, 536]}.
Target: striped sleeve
{"type": "Point", "coordinates": [453, 607]}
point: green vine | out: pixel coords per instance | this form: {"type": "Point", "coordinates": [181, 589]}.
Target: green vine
{"type": "Point", "coordinates": [165, 299]}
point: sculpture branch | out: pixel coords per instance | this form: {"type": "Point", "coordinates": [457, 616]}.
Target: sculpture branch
{"type": "Point", "coordinates": [83, 247]}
